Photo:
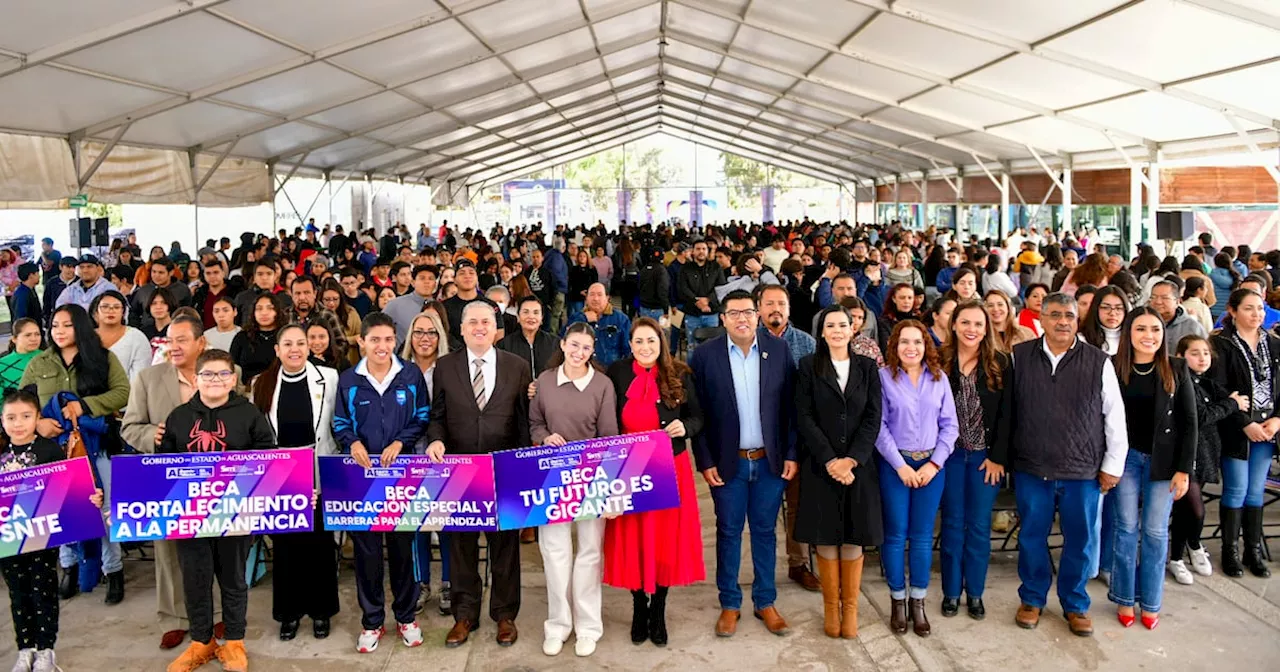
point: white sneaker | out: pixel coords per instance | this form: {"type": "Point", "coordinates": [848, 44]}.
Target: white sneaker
{"type": "Point", "coordinates": [368, 641]}
{"type": "Point", "coordinates": [1200, 561]}
{"type": "Point", "coordinates": [584, 647]}
{"type": "Point", "coordinates": [26, 658]}
{"type": "Point", "coordinates": [45, 661]}
{"type": "Point", "coordinates": [1180, 572]}
{"type": "Point", "coordinates": [410, 634]}
{"type": "Point", "coordinates": [552, 645]}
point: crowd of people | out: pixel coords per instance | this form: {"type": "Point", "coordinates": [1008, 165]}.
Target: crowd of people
{"type": "Point", "coordinates": [859, 380]}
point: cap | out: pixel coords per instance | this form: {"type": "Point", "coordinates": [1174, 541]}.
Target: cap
{"type": "Point", "coordinates": [458, 264]}
{"type": "Point", "coordinates": [89, 259]}
{"type": "Point", "coordinates": [68, 260]}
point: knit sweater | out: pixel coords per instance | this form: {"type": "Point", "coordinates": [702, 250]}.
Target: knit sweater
{"type": "Point", "coordinates": [572, 413]}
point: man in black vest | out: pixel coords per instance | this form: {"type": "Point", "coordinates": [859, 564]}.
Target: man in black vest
{"type": "Point", "coordinates": [1062, 382]}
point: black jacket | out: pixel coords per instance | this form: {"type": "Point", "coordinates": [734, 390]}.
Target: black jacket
{"type": "Point", "coordinates": [997, 407]}
{"type": "Point", "coordinates": [655, 287]}
{"type": "Point", "coordinates": [236, 425]}
{"type": "Point", "coordinates": [1212, 407]}
{"type": "Point", "coordinates": [253, 353]}
{"type": "Point", "coordinates": [690, 412]}
{"type": "Point", "coordinates": [544, 348]}
{"type": "Point", "coordinates": [700, 281]}
{"type": "Point", "coordinates": [1231, 370]}
{"type": "Point", "coordinates": [1173, 443]}
{"type": "Point", "coordinates": [580, 280]}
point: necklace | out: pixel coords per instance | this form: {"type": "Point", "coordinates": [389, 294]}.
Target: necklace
{"type": "Point", "coordinates": [1140, 372]}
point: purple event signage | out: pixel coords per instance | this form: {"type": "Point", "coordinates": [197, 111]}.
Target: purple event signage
{"type": "Point", "coordinates": [47, 506]}
{"type": "Point", "coordinates": [414, 494]}
{"type": "Point", "coordinates": [226, 494]}
{"type": "Point", "coordinates": [585, 479]}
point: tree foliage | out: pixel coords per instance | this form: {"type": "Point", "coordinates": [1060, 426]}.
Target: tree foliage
{"type": "Point", "coordinates": [746, 177]}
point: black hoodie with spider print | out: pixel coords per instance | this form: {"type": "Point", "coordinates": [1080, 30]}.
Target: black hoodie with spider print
{"type": "Point", "coordinates": [235, 425]}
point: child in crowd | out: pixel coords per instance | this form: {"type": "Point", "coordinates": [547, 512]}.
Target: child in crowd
{"type": "Point", "coordinates": [1213, 404]}
{"type": "Point", "coordinates": [32, 577]}
{"type": "Point", "coordinates": [216, 419]}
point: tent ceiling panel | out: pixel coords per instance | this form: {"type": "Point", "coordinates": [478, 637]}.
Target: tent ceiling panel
{"type": "Point", "coordinates": [45, 23]}
{"type": "Point", "coordinates": [828, 20]}
{"type": "Point", "coordinates": [297, 89]}
{"type": "Point", "coordinates": [872, 79]}
{"type": "Point", "coordinates": [743, 92]}
{"type": "Point", "coordinates": [1039, 132]}
{"type": "Point", "coordinates": [382, 107]}
{"type": "Point", "coordinates": [1159, 117]}
{"type": "Point", "coordinates": [557, 80]}
{"type": "Point", "coordinates": [429, 49]}
{"type": "Point", "coordinates": [1026, 21]}
{"type": "Point", "coordinates": [389, 157]}
{"type": "Point", "coordinates": [696, 79]}
{"type": "Point", "coordinates": [1254, 89]}
{"type": "Point", "coordinates": [642, 20]}
{"type": "Point", "coordinates": [631, 55]}
{"type": "Point", "coordinates": [272, 142]}
{"type": "Point", "coordinates": [316, 24]}
{"type": "Point", "coordinates": [1046, 83]}
{"type": "Point", "coordinates": [918, 122]}
{"type": "Point", "coordinates": [767, 79]}
{"type": "Point", "coordinates": [990, 145]}
{"type": "Point", "coordinates": [476, 75]}
{"type": "Point", "coordinates": [824, 94]}
{"type": "Point", "coordinates": [341, 152]}
{"type": "Point", "coordinates": [1157, 39]}
{"type": "Point", "coordinates": [439, 140]}
{"type": "Point", "coordinates": [582, 94]}
{"type": "Point", "coordinates": [759, 44]}
{"type": "Point", "coordinates": [564, 46]}
{"type": "Point", "coordinates": [944, 102]}
{"type": "Point", "coordinates": [800, 109]}
{"type": "Point", "coordinates": [414, 127]}
{"type": "Point", "coordinates": [923, 46]}
{"type": "Point", "coordinates": [190, 125]}
{"type": "Point", "coordinates": [779, 120]}
{"type": "Point", "coordinates": [508, 20]}
{"type": "Point", "coordinates": [626, 78]}
{"type": "Point", "coordinates": [50, 100]}
{"type": "Point", "coordinates": [526, 113]}
{"type": "Point", "coordinates": [494, 101]}
{"type": "Point", "coordinates": [789, 135]}
{"type": "Point", "coordinates": [680, 51]}
{"type": "Point", "coordinates": [210, 49]}
{"type": "Point", "coordinates": [903, 140]}
{"type": "Point", "coordinates": [684, 19]}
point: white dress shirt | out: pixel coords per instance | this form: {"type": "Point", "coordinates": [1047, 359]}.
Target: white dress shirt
{"type": "Point", "coordinates": [490, 369]}
{"type": "Point", "coordinates": [1113, 420]}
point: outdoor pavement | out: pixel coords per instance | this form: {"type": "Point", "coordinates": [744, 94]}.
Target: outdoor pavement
{"type": "Point", "coordinates": [1219, 624]}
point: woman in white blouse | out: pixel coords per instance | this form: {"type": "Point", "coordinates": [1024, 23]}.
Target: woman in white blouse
{"type": "Point", "coordinates": [130, 345]}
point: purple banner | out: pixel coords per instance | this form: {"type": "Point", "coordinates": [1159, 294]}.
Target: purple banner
{"type": "Point", "coordinates": [190, 495]}
{"type": "Point", "coordinates": [695, 208]}
{"type": "Point", "coordinates": [47, 506]}
{"type": "Point", "coordinates": [585, 479]}
{"type": "Point", "coordinates": [414, 494]}
{"type": "Point", "coordinates": [624, 205]}
{"type": "Point", "coordinates": [767, 197]}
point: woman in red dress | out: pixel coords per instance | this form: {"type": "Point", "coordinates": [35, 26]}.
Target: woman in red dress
{"type": "Point", "coordinates": [649, 552]}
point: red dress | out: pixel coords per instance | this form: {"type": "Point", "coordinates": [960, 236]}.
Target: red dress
{"type": "Point", "coordinates": [656, 548]}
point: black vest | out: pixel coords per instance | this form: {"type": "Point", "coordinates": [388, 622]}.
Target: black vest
{"type": "Point", "coordinates": [1058, 423]}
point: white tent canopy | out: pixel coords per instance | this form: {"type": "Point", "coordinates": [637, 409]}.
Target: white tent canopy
{"type": "Point", "coordinates": [205, 99]}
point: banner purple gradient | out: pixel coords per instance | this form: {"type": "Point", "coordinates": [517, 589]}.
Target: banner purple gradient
{"type": "Point", "coordinates": [47, 506]}
{"type": "Point", "coordinates": [414, 494]}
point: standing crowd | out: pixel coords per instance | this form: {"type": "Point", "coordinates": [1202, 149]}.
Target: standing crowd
{"type": "Point", "coordinates": [859, 381]}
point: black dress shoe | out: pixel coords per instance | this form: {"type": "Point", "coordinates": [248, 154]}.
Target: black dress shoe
{"type": "Point", "coordinates": [950, 606]}
{"type": "Point", "coordinates": [976, 611]}
{"type": "Point", "coordinates": [320, 628]}
{"type": "Point", "coordinates": [70, 586]}
{"type": "Point", "coordinates": [288, 630]}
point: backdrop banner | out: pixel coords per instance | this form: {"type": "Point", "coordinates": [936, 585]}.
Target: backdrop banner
{"type": "Point", "coordinates": [47, 506]}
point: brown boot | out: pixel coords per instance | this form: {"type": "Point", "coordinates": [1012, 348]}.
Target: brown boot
{"type": "Point", "coordinates": [829, 577]}
{"type": "Point", "coordinates": [850, 587]}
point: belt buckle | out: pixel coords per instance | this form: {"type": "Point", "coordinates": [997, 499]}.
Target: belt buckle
{"type": "Point", "coordinates": [917, 455]}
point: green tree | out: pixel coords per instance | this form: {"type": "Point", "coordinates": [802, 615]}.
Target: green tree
{"type": "Point", "coordinates": [113, 212]}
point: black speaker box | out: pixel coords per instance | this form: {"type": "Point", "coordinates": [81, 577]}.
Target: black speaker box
{"type": "Point", "coordinates": [81, 232]}
{"type": "Point", "coordinates": [1175, 225]}
{"type": "Point", "coordinates": [100, 238]}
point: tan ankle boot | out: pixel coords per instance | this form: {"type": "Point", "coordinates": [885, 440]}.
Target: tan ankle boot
{"type": "Point", "coordinates": [850, 587]}
{"type": "Point", "coordinates": [829, 579]}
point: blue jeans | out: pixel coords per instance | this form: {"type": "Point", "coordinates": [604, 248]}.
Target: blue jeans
{"type": "Point", "coordinates": [1243, 481]}
{"type": "Point", "coordinates": [112, 562]}
{"type": "Point", "coordinates": [655, 313]}
{"type": "Point", "coordinates": [965, 543]}
{"type": "Point", "coordinates": [1101, 553]}
{"type": "Point", "coordinates": [694, 322]}
{"type": "Point", "coordinates": [1140, 565]}
{"type": "Point", "coordinates": [1076, 502]}
{"type": "Point", "coordinates": [908, 516]}
{"type": "Point", "coordinates": [422, 556]}
{"type": "Point", "coordinates": [753, 497]}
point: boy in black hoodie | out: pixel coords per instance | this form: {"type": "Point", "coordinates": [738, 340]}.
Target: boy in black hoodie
{"type": "Point", "coordinates": [216, 419]}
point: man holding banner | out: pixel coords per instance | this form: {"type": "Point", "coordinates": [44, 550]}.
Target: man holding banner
{"type": "Point", "coordinates": [481, 405]}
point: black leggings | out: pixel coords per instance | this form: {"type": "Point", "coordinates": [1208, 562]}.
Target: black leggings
{"type": "Point", "coordinates": [1187, 522]}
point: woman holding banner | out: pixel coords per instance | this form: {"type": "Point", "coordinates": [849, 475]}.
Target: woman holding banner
{"type": "Point", "coordinates": [649, 552]}
{"type": "Point", "coordinates": [572, 403]}
{"type": "Point", "coordinates": [298, 399]}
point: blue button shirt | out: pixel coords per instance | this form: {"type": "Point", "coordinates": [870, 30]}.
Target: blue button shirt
{"type": "Point", "coordinates": [746, 387]}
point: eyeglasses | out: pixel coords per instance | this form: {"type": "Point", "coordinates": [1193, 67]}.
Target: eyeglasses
{"type": "Point", "coordinates": [740, 314]}
{"type": "Point", "coordinates": [110, 307]}
{"type": "Point", "coordinates": [217, 376]}
{"type": "Point", "coordinates": [1058, 317]}
{"type": "Point", "coordinates": [420, 335]}
{"type": "Point", "coordinates": [1110, 308]}
{"type": "Point", "coordinates": [329, 300]}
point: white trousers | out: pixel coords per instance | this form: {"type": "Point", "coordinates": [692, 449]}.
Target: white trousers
{"type": "Point", "coordinates": [573, 581]}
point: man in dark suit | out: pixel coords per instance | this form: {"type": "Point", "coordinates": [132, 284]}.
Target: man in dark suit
{"type": "Point", "coordinates": [746, 451]}
{"type": "Point", "coordinates": [481, 405]}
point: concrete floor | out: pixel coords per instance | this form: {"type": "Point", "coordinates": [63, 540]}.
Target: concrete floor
{"type": "Point", "coordinates": [1218, 624]}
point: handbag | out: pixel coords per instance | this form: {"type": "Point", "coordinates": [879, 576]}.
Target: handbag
{"type": "Point", "coordinates": [75, 445]}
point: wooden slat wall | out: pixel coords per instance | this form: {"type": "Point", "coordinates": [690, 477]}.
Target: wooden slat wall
{"type": "Point", "coordinates": [1216, 185]}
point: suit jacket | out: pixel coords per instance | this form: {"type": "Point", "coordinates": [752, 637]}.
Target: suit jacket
{"type": "Point", "coordinates": [461, 425]}
{"type": "Point", "coordinates": [997, 407]}
{"type": "Point", "coordinates": [322, 382]}
{"type": "Point", "coordinates": [153, 395]}
{"type": "Point", "coordinates": [717, 444]}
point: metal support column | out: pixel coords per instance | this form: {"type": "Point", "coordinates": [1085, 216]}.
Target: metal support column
{"type": "Point", "coordinates": [1153, 193]}
{"type": "Point", "coordinates": [897, 203]}
{"type": "Point", "coordinates": [1067, 220]}
{"type": "Point", "coordinates": [924, 200]}
{"type": "Point", "coordinates": [1136, 226]}
{"type": "Point", "coordinates": [1004, 207]}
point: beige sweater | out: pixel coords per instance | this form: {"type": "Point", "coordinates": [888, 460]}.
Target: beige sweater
{"type": "Point", "coordinates": [572, 413]}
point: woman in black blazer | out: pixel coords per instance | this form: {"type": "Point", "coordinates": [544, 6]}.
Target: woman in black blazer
{"type": "Point", "coordinates": [1247, 362]}
{"type": "Point", "coordinates": [981, 378]}
{"type": "Point", "coordinates": [838, 418]}
{"type": "Point", "coordinates": [1160, 420]}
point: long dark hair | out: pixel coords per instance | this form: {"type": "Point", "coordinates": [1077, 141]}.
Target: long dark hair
{"type": "Point", "coordinates": [671, 371]}
{"type": "Point", "coordinates": [250, 320]}
{"type": "Point", "coordinates": [1123, 358]}
{"type": "Point", "coordinates": [264, 386]}
{"type": "Point", "coordinates": [344, 311]}
{"type": "Point", "coordinates": [92, 361]}
{"type": "Point", "coordinates": [822, 356]}
{"type": "Point", "coordinates": [97, 301]}
{"type": "Point", "coordinates": [576, 328]}
{"type": "Point", "coordinates": [1091, 328]}
{"type": "Point", "coordinates": [988, 350]}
